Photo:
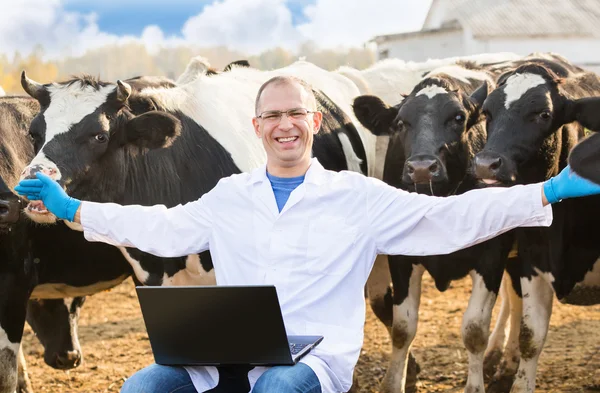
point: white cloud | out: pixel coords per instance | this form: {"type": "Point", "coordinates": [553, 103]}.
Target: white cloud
{"type": "Point", "coordinates": [29, 23]}
{"type": "Point", "coordinates": [247, 25]}
{"type": "Point", "coordinates": [353, 22]}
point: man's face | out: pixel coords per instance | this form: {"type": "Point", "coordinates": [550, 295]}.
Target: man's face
{"type": "Point", "coordinates": [288, 140]}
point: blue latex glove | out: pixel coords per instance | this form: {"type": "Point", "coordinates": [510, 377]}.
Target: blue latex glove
{"type": "Point", "coordinates": [568, 184]}
{"type": "Point", "coordinates": [51, 193]}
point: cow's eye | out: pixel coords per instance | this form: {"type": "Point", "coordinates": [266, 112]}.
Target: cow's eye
{"type": "Point", "coordinates": [545, 115]}
{"type": "Point", "coordinates": [101, 138]}
{"type": "Point", "coordinates": [459, 118]}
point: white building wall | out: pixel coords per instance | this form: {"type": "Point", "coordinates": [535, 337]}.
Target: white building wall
{"type": "Point", "coordinates": [580, 51]}
{"type": "Point", "coordinates": [423, 47]}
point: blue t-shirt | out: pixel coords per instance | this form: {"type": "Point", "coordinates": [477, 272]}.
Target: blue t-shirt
{"type": "Point", "coordinates": [283, 187]}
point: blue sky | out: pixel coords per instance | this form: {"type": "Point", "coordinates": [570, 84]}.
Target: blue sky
{"type": "Point", "coordinates": [72, 27]}
{"type": "Point", "coordinates": [169, 15]}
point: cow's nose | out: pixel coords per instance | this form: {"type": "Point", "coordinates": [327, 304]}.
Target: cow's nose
{"type": "Point", "coordinates": [9, 211]}
{"type": "Point", "coordinates": [423, 169]}
{"type": "Point", "coordinates": [487, 165]}
{"type": "Point", "coordinates": [68, 359]}
{"type": "Point", "coordinates": [30, 171]}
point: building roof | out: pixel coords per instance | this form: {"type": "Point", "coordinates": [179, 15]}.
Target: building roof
{"type": "Point", "coordinates": [514, 18]}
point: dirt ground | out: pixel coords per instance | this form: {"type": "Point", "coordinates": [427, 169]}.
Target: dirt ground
{"type": "Point", "coordinates": [115, 345]}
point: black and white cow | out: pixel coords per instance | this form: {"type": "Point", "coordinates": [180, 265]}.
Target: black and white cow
{"type": "Point", "coordinates": [33, 264]}
{"type": "Point", "coordinates": [434, 133]}
{"type": "Point", "coordinates": [106, 142]}
{"type": "Point", "coordinates": [23, 265]}
{"type": "Point", "coordinates": [106, 147]}
{"type": "Point", "coordinates": [534, 118]}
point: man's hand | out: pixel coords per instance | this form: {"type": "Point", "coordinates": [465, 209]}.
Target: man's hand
{"type": "Point", "coordinates": [567, 184]}
{"type": "Point", "coordinates": [51, 193]}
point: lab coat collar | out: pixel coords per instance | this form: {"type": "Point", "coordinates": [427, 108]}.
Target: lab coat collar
{"type": "Point", "coordinates": [315, 174]}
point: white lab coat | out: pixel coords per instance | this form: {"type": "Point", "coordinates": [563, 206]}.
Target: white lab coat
{"type": "Point", "coordinates": [319, 250]}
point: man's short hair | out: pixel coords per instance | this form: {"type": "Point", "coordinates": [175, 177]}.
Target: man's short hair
{"type": "Point", "coordinates": [286, 79]}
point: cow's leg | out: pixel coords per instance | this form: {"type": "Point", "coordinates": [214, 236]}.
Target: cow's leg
{"type": "Point", "coordinates": [23, 382]}
{"type": "Point", "coordinates": [537, 309]}
{"type": "Point", "coordinates": [505, 375]}
{"type": "Point", "coordinates": [379, 291]}
{"type": "Point", "coordinates": [406, 279]}
{"type": "Point", "coordinates": [495, 349]}
{"type": "Point", "coordinates": [475, 330]}
{"type": "Point", "coordinates": [9, 352]}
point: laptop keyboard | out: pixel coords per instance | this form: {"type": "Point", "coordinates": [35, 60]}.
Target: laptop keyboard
{"type": "Point", "coordinates": [296, 348]}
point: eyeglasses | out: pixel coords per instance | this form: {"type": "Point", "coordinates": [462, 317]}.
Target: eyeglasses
{"type": "Point", "coordinates": [293, 114]}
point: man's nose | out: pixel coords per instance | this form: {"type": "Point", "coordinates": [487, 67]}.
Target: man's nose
{"type": "Point", "coordinates": [285, 122]}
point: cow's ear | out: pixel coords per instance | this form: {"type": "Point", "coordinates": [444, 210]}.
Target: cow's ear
{"type": "Point", "coordinates": [586, 111]}
{"type": "Point", "coordinates": [479, 95]}
{"type": "Point", "coordinates": [152, 130]}
{"type": "Point", "coordinates": [374, 114]}
{"type": "Point", "coordinates": [584, 158]}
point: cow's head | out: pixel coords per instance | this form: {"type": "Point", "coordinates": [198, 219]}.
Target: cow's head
{"type": "Point", "coordinates": [55, 322]}
{"type": "Point", "coordinates": [528, 125]}
{"type": "Point", "coordinates": [434, 132]}
{"type": "Point", "coordinates": [83, 123]}
{"type": "Point", "coordinates": [585, 156]}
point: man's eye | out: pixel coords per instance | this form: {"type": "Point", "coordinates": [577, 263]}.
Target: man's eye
{"type": "Point", "coordinates": [297, 114]}
{"type": "Point", "coordinates": [271, 116]}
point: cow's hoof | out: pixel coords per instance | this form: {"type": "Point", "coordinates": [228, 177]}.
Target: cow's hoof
{"type": "Point", "coordinates": [501, 384]}
{"type": "Point", "coordinates": [24, 388]}
{"type": "Point", "coordinates": [412, 370]}
{"type": "Point", "coordinates": [491, 363]}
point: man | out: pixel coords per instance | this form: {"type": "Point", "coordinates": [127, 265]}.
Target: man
{"type": "Point", "coordinates": [312, 233]}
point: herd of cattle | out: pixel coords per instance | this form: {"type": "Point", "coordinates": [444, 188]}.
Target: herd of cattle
{"type": "Point", "coordinates": [442, 127]}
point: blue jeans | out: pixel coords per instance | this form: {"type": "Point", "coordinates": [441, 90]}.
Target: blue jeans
{"type": "Point", "coordinates": [165, 379]}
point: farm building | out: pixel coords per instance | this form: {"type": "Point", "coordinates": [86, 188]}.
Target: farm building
{"type": "Point", "coordinates": [465, 27]}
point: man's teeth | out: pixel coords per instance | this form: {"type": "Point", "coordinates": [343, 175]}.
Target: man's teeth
{"type": "Point", "coordinates": [288, 139]}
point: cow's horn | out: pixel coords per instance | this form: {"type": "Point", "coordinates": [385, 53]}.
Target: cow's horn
{"type": "Point", "coordinates": [31, 87]}
{"type": "Point", "coordinates": [123, 91]}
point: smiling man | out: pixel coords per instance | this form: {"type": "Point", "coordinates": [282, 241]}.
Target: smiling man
{"type": "Point", "coordinates": [312, 233]}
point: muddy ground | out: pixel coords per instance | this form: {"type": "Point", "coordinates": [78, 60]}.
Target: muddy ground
{"type": "Point", "coordinates": [114, 344]}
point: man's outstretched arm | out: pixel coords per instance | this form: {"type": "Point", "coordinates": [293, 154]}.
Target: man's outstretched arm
{"type": "Point", "coordinates": [415, 224]}
{"type": "Point", "coordinates": [178, 231]}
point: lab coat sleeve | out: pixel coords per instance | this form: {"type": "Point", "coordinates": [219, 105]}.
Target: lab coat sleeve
{"type": "Point", "coordinates": [178, 231]}
{"type": "Point", "coordinates": [415, 224]}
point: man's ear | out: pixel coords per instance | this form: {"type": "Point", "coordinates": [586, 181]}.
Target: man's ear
{"type": "Point", "coordinates": [584, 110]}
{"type": "Point", "coordinates": [374, 114]}
{"type": "Point", "coordinates": [152, 130]}
{"type": "Point", "coordinates": [317, 119]}
{"type": "Point", "coordinates": [256, 127]}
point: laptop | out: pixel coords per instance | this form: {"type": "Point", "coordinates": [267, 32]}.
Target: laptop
{"type": "Point", "coordinates": [219, 325]}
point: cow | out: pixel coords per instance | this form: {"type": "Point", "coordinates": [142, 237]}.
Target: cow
{"type": "Point", "coordinates": [200, 66]}
{"type": "Point", "coordinates": [434, 133]}
{"type": "Point", "coordinates": [52, 321]}
{"type": "Point", "coordinates": [391, 80]}
{"type": "Point", "coordinates": [534, 118]}
{"type": "Point", "coordinates": [38, 279]}
{"type": "Point", "coordinates": [109, 143]}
